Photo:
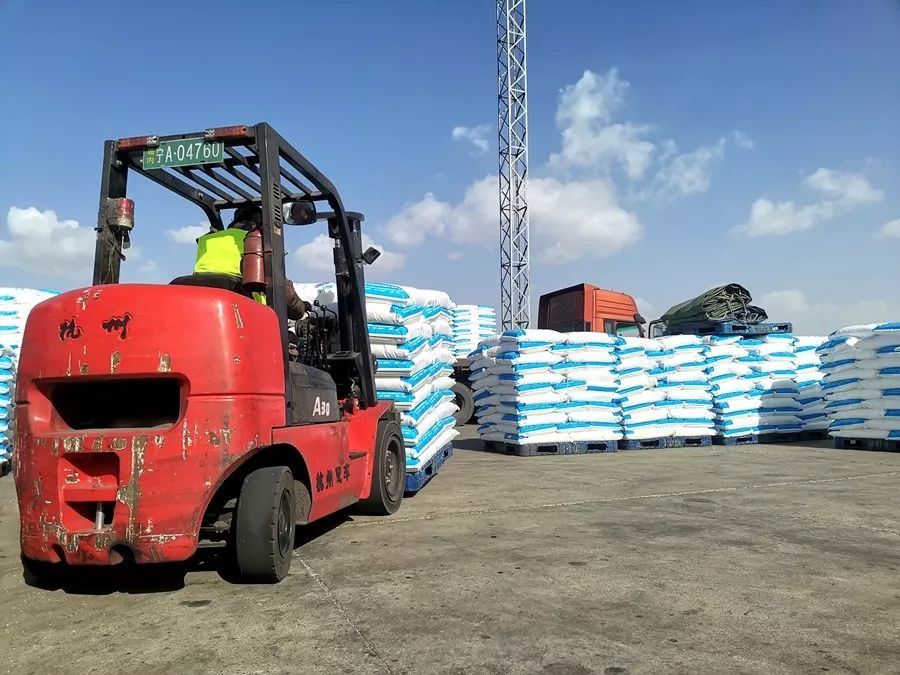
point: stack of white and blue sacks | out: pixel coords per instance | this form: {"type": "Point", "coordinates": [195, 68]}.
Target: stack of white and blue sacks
{"type": "Point", "coordinates": [412, 341]}
{"type": "Point", "coordinates": [15, 306]}
{"type": "Point", "coordinates": [862, 381]}
{"type": "Point", "coordinates": [665, 388]}
{"type": "Point", "coordinates": [540, 386]}
{"type": "Point", "coordinates": [754, 385]}
{"type": "Point", "coordinates": [472, 324]}
{"type": "Point", "coordinates": [810, 395]}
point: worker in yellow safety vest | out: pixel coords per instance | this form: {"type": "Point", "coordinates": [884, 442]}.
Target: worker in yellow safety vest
{"type": "Point", "coordinates": [220, 252]}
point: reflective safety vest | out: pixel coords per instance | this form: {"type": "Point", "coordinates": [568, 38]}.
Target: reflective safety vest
{"type": "Point", "coordinates": [221, 252]}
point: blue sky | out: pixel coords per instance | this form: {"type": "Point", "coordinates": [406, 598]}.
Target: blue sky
{"type": "Point", "coordinates": [656, 129]}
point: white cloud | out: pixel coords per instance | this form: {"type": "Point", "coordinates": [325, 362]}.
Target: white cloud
{"type": "Point", "coordinates": [890, 230]}
{"type": "Point", "coordinates": [317, 256]}
{"type": "Point", "coordinates": [841, 191]}
{"type": "Point", "coordinates": [687, 173]}
{"type": "Point", "coordinates": [779, 218]}
{"type": "Point", "coordinates": [577, 219]}
{"type": "Point", "coordinates": [417, 221]}
{"type": "Point", "coordinates": [589, 140]}
{"type": "Point", "coordinates": [187, 234]}
{"type": "Point", "coordinates": [844, 188]}
{"type": "Point", "coordinates": [814, 317]}
{"type": "Point", "coordinates": [742, 140]}
{"type": "Point", "coordinates": [455, 255]}
{"type": "Point", "coordinates": [40, 241]}
{"type": "Point", "coordinates": [477, 136]}
{"type": "Point", "coordinates": [568, 219]}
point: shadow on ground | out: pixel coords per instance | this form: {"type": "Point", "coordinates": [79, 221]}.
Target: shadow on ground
{"type": "Point", "coordinates": [164, 577]}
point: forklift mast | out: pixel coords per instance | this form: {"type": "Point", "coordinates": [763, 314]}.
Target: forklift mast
{"type": "Point", "coordinates": [224, 168]}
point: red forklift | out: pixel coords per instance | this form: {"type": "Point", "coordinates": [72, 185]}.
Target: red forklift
{"type": "Point", "coordinates": [155, 418]}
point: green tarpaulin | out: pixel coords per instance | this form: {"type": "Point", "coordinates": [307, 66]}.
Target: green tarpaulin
{"type": "Point", "coordinates": [723, 303]}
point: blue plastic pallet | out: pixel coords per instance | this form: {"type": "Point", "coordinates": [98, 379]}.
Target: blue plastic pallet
{"type": "Point", "coordinates": [416, 480]}
{"type": "Point", "coordinates": [665, 442]}
{"type": "Point", "coordinates": [793, 436]}
{"type": "Point", "coordinates": [561, 448]}
{"type": "Point", "coordinates": [867, 444]}
{"type": "Point", "coordinates": [746, 439]}
{"type": "Point", "coordinates": [769, 438]}
{"type": "Point", "coordinates": [728, 328]}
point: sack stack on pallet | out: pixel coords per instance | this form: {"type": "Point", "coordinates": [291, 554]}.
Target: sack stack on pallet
{"type": "Point", "coordinates": [472, 324]}
{"type": "Point", "coordinates": [813, 415]}
{"type": "Point", "coordinates": [681, 376]}
{"type": "Point", "coordinates": [517, 394]}
{"type": "Point", "coordinates": [15, 306]}
{"type": "Point", "coordinates": [540, 386]}
{"type": "Point", "coordinates": [861, 366]}
{"type": "Point", "coordinates": [638, 393]}
{"type": "Point", "coordinates": [753, 385]}
{"type": "Point", "coordinates": [412, 342]}
{"type": "Point", "coordinates": [665, 388]}
{"type": "Point", "coordinates": [592, 406]}
{"type": "Point", "coordinates": [780, 407]}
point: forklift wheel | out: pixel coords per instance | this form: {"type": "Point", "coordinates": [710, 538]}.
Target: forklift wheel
{"type": "Point", "coordinates": [41, 574]}
{"type": "Point", "coordinates": [264, 530]}
{"type": "Point", "coordinates": [388, 473]}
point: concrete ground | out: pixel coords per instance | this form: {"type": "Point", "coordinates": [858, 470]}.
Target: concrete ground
{"type": "Point", "coordinates": [752, 559]}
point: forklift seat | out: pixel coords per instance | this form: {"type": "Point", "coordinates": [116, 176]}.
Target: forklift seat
{"type": "Point", "coordinates": [210, 280]}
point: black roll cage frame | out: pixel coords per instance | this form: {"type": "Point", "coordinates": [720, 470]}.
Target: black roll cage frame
{"type": "Point", "coordinates": [257, 165]}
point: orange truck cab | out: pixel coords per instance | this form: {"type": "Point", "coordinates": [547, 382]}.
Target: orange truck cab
{"type": "Point", "coordinates": [154, 417]}
{"type": "Point", "coordinates": [584, 307]}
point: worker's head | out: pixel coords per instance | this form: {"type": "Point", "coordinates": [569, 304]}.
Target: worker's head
{"type": "Point", "coordinates": [247, 216]}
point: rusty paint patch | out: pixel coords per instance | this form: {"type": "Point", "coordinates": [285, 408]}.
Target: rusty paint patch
{"type": "Point", "coordinates": [38, 486]}
{"type": "Point", "coordinates": [82, 368]}
{"type": "Point", "coordinates": [185, 441]}
{"type": "Point", "coordinates": [97, 445]}
{"type": "Point", "coordinates": [55, 448]}
{"type": "Point", "coordinates": [237, 359]}
{"type": "Point", "coordinates": [158, 440]}
{"type": "Point", "coordinates": [237, 317]}
{"type": "Point", "coordinates": [130, 493]}
{"type": "Point", "coordinates": [69, 366]}
{"type": "Point", "coordinates": [114, 360]}
{"type": "Point", "coordinates": [73, 444]}
{"type": "Point", "coordinates": [119, 443]}
{"type": "Point", "coordinates": [71, 478]}
{"type": "Point", "coordinates": [96, 295]}
{"type": "Point", "coordinates": [165, 363]}
{"type": "Point", "coordinates": [213, 438]}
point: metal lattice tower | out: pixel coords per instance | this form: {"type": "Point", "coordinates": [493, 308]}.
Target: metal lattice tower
{"type": "Point", "coordinates": [515, 294]}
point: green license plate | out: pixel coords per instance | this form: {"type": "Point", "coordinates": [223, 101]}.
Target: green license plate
{"type": "Point", "coordinates": [184, 152]}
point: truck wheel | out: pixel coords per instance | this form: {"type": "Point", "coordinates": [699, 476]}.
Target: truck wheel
{"type": "Point", "coordinates": [465, 402]}
{"type": "Point", "coordinates": [388, 473]}
{"type": "Point", "coordinates": [264, 527]}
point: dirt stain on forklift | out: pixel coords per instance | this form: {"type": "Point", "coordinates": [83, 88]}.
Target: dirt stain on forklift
{"type": "Point", "coordinates": [259, 425]}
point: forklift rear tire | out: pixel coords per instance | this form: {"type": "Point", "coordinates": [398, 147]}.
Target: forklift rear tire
{"type": "Point", "coordinates": [41, 574]}
{"type": "Point", "coordinates": [388, 473]}
{"type": "Point", "coordinates": [465, 402]}
{"type": "Point", "coordinates": [264, 527]}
